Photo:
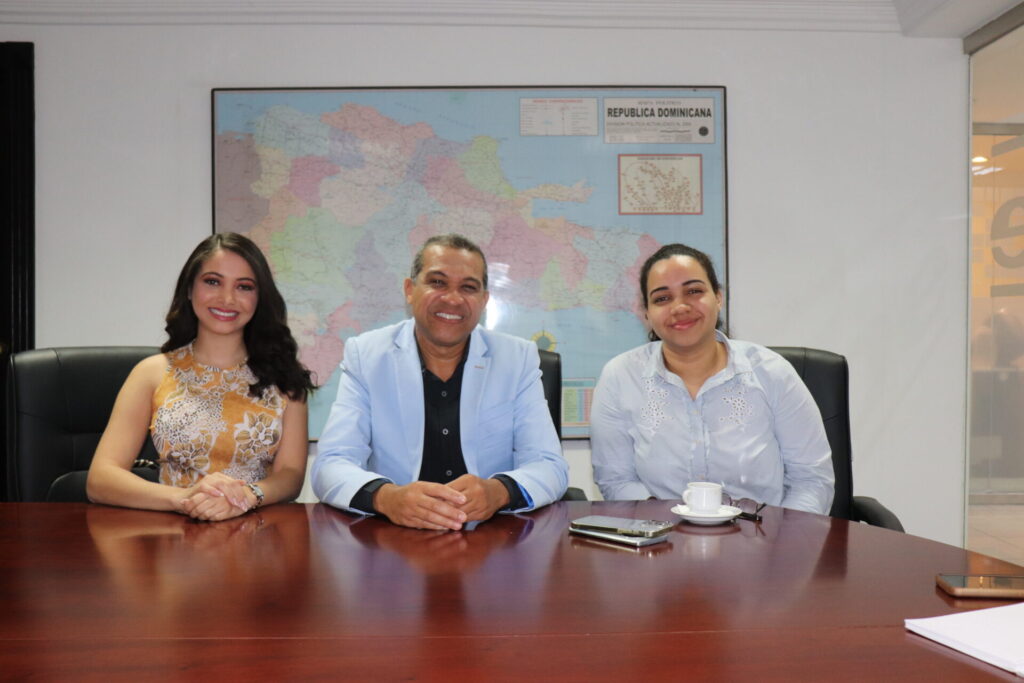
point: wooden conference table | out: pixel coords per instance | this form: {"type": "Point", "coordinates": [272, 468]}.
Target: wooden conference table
{"type": "Point", "coordinates": [306, 591]}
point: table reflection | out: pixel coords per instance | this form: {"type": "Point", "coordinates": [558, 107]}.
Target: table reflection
{"type": "Point", "coordinates": [411, 581]}
{"type": "Point", "coordinates": [714, 577]}
{"type": "Point", "coordinates": [170, 571]}
{"type": "Point", "coordinates": [442, 552]}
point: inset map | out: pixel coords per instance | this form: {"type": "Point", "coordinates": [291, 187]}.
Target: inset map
{"type": "Point", "coordinates": [660, 184]}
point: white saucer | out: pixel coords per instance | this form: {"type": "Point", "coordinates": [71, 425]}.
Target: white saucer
{"type": "Point", "coordinates": [726, 513]}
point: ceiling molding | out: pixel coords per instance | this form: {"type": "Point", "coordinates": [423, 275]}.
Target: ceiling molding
{"type": "Point", "coordinates": [948, 18]}
{"type": "Point", "coordinates": [795, 15]}
{"type": "Point", "coordinates": [917, 18]}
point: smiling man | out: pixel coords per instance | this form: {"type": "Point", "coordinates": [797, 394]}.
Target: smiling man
{"type": "Point", "coordinates": [439, 422]}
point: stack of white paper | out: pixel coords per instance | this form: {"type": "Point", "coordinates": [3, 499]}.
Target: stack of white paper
{"type": "Point", "coordinates": [994, 635]}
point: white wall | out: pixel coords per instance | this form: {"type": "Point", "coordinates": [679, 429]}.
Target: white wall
{"type": "Point", "coordinates": [847, 190]}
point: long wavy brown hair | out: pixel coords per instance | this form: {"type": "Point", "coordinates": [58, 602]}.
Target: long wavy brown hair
{"type": "Point", "coordinates": [272, 351]}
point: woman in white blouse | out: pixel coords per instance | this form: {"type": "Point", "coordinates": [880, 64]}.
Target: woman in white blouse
{"type": "Point", "coordinates": [694, 405]}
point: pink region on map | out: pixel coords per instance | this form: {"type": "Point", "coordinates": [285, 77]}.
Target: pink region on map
{"type": "Point", "coordinates": [551, 239]}
{"type": "Point", "coordinates": [341, 319]}
{"type": "Point", "coordinates": [373, 273]}
{"type": "Point", "coordinates": [445, 181]}
{"type": "Point", "coordinates": [328, 348]}
{"type": "Point", "coordinates": [283, 205]}
{"type": "Point", "coordinates": [419, 234]}
{"type": "Point", "coordinates": [366, 123]}
{"type": "Point", "coordinates": [625, 294]}
{"type": "Point", "coordinates": [564, 234]}
{"type": "Point", "coordinates": [238, 209]}
{"type": "Point", "coordinates": [306, 175]}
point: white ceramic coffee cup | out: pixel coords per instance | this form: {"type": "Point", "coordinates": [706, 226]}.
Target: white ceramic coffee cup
{"type": "Point", "coordinates": [703, 496]}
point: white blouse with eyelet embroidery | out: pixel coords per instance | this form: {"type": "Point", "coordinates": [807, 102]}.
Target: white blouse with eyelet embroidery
{"type": "Point", "coordinates": [753, 427]}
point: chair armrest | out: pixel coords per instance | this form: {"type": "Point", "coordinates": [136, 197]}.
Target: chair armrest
{"type": "Point", "coordinates": [70, 487]}
{"type": "Point", "coordinates": [866, 509]}
{"type": "Point", "coordinates": [573, 493]}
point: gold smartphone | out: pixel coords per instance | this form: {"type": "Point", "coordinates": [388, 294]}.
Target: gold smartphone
{"type": "Point", "coordinates": [625, 526]}
{"type": "Point", "coordinates": [632, 541]}
{"type": "Point", "coordinates": [981, 585]}
{"type": "Point", "coordinates": [590, 542]}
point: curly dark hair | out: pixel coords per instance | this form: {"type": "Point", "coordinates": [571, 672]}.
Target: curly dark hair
{"type": "Point", "coordinates": [676, 249]}
{"type": "Point", "coordinates": [273, 353]}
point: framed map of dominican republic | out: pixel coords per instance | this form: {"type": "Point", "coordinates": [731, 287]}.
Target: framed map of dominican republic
{"type": "Point", "coordinates": [566, 189]}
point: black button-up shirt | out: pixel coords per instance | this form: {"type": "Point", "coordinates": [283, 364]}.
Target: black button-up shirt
{"type": "Point", "coordinates": [442, 436]}
{"type": "Point", "coordinates": [442, 460]}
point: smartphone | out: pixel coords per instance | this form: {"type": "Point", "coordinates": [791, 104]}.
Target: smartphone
{"type": "Point", "coordinates": [592, 543]}
{"type": "Point", "coordinates": [633, 541]}
{"type": "Point", "coordinates": [981, 585]}
{"type": "Point", "coordinates": [624, 526]}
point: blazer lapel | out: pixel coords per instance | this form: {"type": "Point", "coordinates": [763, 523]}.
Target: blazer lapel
{"type": "Point", "coordinates": [474, 379]}
{"type": "Point", "coordinates": [408, 390]}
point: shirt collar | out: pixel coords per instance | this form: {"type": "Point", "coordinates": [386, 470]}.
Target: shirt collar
{"type": "Point", "coordinates": [462, 361]}
{"type": "Point", "coordinates": [734, 365]}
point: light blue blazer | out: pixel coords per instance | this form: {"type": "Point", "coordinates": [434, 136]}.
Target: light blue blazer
{"type": "Point", "coordinates": [375, 428]}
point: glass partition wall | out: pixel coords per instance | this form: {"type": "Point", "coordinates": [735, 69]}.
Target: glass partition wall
{"type": "Point", "coordinates": [995, 511]}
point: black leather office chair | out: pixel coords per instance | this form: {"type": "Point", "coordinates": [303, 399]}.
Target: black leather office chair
{"type": "Point", "coordinates": [826, 375]}
{"type": "Point", "coordinates": [58, 403]}
{"type": "Point", "coordinates": [551, 378]}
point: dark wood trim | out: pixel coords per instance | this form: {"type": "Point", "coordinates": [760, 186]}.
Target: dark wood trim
{"type": "Point", "coordinates": [1005, 23]}
{"type": "Point", "coordinates": [17, 204]}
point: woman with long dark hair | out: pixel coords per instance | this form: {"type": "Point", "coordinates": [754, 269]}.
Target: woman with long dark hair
{"type": "Point", "coordinates": [225, 401]}
{"type": "Point", "coordinates": [694, 405]}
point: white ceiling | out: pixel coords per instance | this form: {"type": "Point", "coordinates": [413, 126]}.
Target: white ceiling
{"type": "Point", "coordinates": [947, 18]}
{"type": "Point", "coordinates": [920, 18]}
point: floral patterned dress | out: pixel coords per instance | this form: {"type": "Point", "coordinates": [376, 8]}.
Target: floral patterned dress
{"type": "Point", "coordinates": [205, 420]}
